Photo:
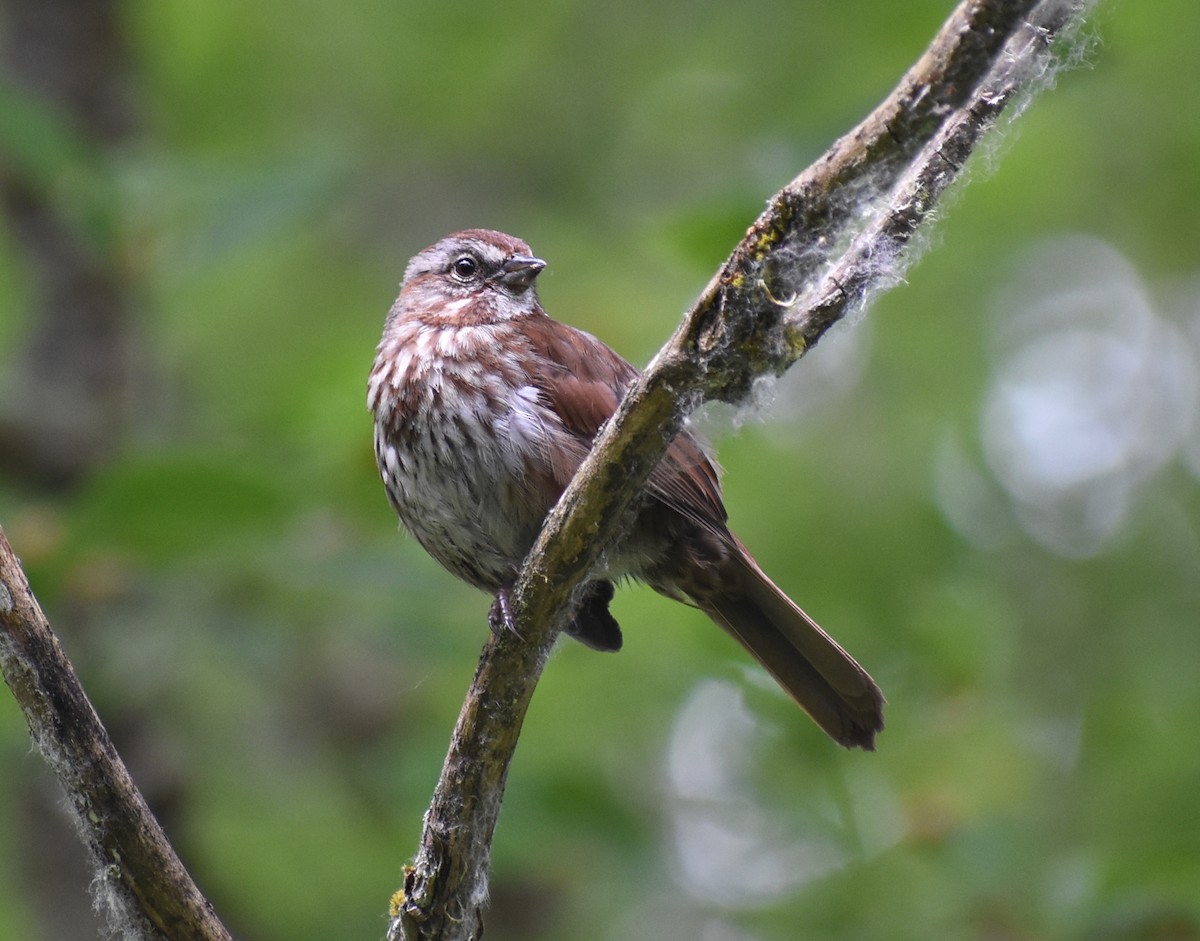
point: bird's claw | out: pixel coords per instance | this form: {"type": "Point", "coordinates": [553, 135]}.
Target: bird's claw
{"type": "Point", "coordinates": [500, 618]}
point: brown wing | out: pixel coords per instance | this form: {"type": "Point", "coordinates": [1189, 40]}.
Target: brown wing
{"type": "Point", "coordinates": [583, 382]}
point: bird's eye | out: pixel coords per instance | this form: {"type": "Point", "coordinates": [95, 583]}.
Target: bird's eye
{"type": "Point", "coordinates": [464, 267]}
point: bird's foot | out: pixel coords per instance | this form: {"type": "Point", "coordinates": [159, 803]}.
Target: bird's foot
{"type": "Point", "coordinates": [500, 618]}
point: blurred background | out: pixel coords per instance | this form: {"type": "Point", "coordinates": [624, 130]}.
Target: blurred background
{"type": "Point", "coordinates": [986, 487]}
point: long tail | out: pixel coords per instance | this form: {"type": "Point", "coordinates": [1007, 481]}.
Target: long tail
{"type": "Point", "coordinates": [824, 680]}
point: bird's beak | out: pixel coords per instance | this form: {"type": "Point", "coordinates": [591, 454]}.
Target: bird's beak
{"type": "Point", "coordinates": [519, 271]}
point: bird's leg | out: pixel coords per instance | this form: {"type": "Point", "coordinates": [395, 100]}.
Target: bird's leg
{"type": "Point", "coordinates": [500, 617]}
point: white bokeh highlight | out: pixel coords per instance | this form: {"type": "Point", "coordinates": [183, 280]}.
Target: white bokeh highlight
{"type": "Point", "coordinates": [1093, 393]}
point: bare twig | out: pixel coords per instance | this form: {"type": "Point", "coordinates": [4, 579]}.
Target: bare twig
{"type": "Point", "coordinates": [148, 894]}
{"type": "Point", "coordinates": [772, 300]}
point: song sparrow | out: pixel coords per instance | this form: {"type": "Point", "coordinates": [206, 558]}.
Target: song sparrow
{"type": "Point", "coordinates": [484, 407]}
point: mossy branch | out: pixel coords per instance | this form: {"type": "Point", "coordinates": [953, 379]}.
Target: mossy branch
{"type": "Point", "coordinates": [810, 258]}
{"type": "Point", "coordinates": [139, 881]}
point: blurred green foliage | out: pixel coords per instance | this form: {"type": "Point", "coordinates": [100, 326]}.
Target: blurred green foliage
{"type": "Point", "coordinates": [287, 668]}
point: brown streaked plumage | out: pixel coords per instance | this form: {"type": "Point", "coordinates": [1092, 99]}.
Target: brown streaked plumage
{"type": "Point", "coordinates": [484, 408]}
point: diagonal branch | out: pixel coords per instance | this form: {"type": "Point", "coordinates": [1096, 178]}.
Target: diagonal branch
{"type": "Point", "coordinates": [807, 261]}
{"type": "Point", "coordinates": [139, 879]}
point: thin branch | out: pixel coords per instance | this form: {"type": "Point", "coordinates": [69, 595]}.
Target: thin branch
{"type": "Point", "coordinates": [148, 894]}
{"type": "Point", "coordinates": [772, 300]}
